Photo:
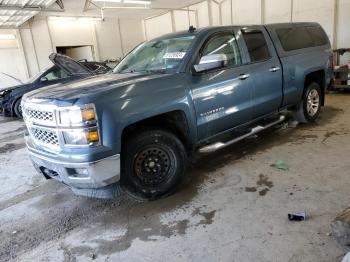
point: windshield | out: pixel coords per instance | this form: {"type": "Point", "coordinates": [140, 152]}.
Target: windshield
{"type": "Point", "coordinates": [36, 76]}
{"type": "Point", "coordinates": [158, 56]}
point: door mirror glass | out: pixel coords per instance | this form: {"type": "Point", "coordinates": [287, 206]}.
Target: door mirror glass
{"type": "Point", "coordinates": [44, 79]}
{"type": "Point", "coordinates": [210, 62]}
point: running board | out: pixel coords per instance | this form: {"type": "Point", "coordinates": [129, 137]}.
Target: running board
{"type": "Point", "coordinates": [219, 145]}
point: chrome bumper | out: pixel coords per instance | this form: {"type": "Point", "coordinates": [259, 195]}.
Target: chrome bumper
{"type": "Point", "coordinates": [86, 175]}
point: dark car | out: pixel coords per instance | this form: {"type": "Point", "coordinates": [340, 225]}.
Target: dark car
{"type": "Point", "coordinates": [63, 71]}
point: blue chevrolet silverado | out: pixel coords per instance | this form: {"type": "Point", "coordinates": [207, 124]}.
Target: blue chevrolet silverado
{"type": "Point", "coordinates": [194, 91]}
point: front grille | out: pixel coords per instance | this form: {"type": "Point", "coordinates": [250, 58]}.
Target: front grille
{"type": "Point", "coordinates": [39, 115]}
{"type": "Point", "coordinates": [47, 137]}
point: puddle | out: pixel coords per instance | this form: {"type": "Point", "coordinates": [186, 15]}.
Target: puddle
{"type": "Point", "coordinates": [250, 189]}
{"type": "Point", "coordinates": [263, 185]}
{"type": "Point", "coordinates": [264, 181]}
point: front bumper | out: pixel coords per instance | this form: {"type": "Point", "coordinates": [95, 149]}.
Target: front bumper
{"type": "Point", "coordinates": [96, 174]}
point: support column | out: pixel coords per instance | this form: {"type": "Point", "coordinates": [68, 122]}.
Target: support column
{"type": "Point", "coordinates": [172, 15]}
{"type": "Point", "coordinates": [95, 41]}
{"type": "Point", "coordinates": [121, 38]}
{"type": "Point", "coordinates": [263, 12]}
{"type": "Point", "coordinates": [231, 11]}
{"type": "Point", "coordinates": [144, 30]}
{"type": "Point", "coordinates": [210, 12]}
{"type": "Point", "coordinates": [49, 33]}
{"type": "Point", "coordinates": [335, 24]}
{"type": "Point", "coordinates": [220, 13]}
{"type": "Point", "coordinates": [21, 50]}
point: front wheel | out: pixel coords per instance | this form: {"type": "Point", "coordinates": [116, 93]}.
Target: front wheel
{"type": "Point", "coordinates": [17, 108]}
{"type": "Point", "coordinates": [154, 163]}
{"type": "Point", "coordinates": [310, 106]}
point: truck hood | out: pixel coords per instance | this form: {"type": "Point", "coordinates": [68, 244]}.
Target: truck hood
{"type": "Point", "coordinates": [90, 86]}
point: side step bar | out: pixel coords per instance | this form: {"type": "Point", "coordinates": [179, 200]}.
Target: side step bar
{"type": "Point", "coordinates": [219, 145]}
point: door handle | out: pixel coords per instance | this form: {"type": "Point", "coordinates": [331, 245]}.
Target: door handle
{"type": "Point", "coordinates": [274, 69]}
{"type": "Point", "coordinates": [244, 76]}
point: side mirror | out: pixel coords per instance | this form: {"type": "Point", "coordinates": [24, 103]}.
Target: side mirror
{"type": "Point", "coordinates": [210, 62]}
{"type": "Point", "coordinates": [44, 79]}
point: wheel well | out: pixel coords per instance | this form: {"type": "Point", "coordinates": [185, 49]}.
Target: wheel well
{"type": "Point", "coordinates": [175, 122]}
{"type": "Point", "coordinates": [319, 78]}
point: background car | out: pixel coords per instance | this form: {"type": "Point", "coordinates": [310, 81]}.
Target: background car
{"type": "Point", "coordinates": [64, 70]}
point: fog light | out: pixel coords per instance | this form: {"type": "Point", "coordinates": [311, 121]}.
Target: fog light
{"type": "Point", "coordinates": [81, 137]}
{"type": "Point", "coordinates": [92, 136]}
{"type": "Point", "coordinates": [78, 172]}
{"type": "Point", "coordinates": [82, 171]}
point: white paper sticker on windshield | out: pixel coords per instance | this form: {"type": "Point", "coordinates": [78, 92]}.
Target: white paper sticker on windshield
{"type": "Point", "coordinates": [174, 55]}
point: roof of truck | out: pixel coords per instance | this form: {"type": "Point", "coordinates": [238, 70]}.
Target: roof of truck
{"type": "Point", "coordinates": [201, 30]}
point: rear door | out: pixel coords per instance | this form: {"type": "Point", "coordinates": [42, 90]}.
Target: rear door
{"type": "Point", "coordinates": [222, 97]}
{"type": "Point", "coordinates": [264, 69]}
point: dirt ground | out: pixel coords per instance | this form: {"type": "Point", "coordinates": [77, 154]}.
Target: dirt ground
{"type": "Point", "coordinates": [233, 205]}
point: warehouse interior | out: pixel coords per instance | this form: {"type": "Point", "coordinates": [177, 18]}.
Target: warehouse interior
{"type": "Point", "coordinates": [120, 30]}
{"type": "Point", "coordinates": [233, 204]}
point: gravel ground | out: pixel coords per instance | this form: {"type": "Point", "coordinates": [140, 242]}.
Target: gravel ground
{"type": "Point", "coordinates": [233, 205]}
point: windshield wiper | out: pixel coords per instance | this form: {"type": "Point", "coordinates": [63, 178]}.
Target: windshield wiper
{"type": "Point", "coordinates": [157, 71]}
{"type": "Point", "coordinates": [148, 71]}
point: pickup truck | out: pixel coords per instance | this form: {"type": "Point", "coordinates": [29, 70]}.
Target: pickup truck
{"type": "Point", "coordinates": [193, 91]}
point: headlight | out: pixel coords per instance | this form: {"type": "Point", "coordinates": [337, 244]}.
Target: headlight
{"type": "Point", "coordinates": [77, 116]}
{"type": "Point", "coordinates": [79, 125]}
{"type": "Point", "coordinates": [81, 137]}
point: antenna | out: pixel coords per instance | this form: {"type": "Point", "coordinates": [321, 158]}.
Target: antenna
{"type": "Point", "coordinates": [192, 29]}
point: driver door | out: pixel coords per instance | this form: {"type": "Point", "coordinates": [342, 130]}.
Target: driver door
{"type": "Point", "coordinates": [222, 96]}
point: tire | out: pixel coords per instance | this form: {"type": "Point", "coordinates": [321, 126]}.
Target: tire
{"type": "Point", "coordinates": [17, 108]}
{"type": "Point", "coordinates": [153, 164]}
{"type": "Point", "coordinates": [310, 107]}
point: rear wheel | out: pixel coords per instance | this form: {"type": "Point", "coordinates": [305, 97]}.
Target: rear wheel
{"type": "Point", "coordinates": [310, 106]}
{"type": "Point", "coordinates": [154, 163]}
{"type": "Point", "coordinates": [17, 108]}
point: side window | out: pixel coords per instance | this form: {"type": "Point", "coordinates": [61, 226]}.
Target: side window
{"type": "Point", "coordinates": [223, 44]}
{"type": "Point", "coordinates": [294, 38]}
{"type": "Point", "coordinates": [56, 74]}
{"type": "Point", "coordinates": [257, 46]}
{"type": "Point", "coordinates": [318, 36]}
